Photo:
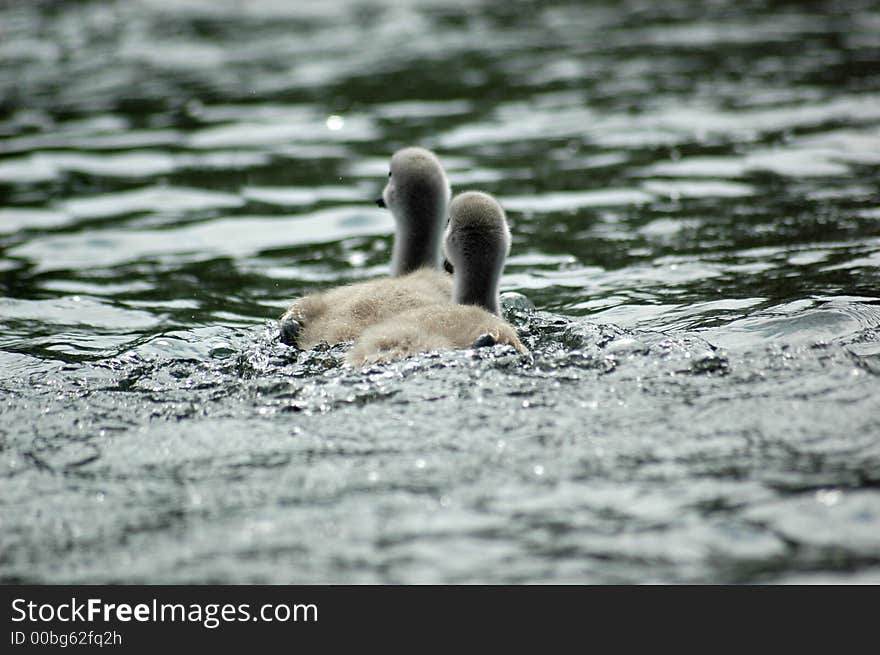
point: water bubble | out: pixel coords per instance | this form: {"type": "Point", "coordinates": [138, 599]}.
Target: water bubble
{"type": "Point", "coordinates": [539, 470]}
{"type": "Point", "coordinates": [335, 122]}
{"type": "Point", "coordinates": [357, 259]}
{"type": "Point", "coordinates": [194, 108]}
{"type": "Point", "coordinates": [829, 497]}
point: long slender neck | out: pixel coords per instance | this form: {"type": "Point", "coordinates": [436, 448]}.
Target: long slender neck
{"type": "Point", "coordinates": [476, 287]}
{"type": "Point", "coordinates": [414, 249]}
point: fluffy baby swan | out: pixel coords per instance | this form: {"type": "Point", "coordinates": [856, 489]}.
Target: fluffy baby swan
{"type": "Point", "coordinates": [477, 243]}
{"type": "Point", "coordinates": [417, 193]}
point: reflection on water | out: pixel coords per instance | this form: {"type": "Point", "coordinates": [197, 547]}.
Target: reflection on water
{"type": "Point", "coordinates": [693, 194]}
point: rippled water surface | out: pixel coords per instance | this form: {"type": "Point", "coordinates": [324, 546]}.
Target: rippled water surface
{"type": "Point", "coordinates": [693, 194]}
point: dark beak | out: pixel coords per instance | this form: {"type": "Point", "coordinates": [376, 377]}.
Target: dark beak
{"type": "Point", "coordinates": [380, 201]}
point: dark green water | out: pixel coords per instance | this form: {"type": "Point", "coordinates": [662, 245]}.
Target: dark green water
{"type": "Point", "coordinates": [693, 193]}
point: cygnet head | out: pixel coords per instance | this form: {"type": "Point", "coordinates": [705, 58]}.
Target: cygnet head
{"type": "Point", "coordinates": [418, 195]}
{"type": "Point", "coordinates": [477, 243]}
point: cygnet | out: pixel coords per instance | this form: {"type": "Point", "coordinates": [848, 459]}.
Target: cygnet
{"type": "Point", "coordinates": [417, 193]}
{"type": "Point", "coordinates": [477, 242]}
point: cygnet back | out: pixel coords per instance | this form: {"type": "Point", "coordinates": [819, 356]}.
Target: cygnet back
{"type": "Point", "coordinates": [342, 314]}
{"type": "Point", "coordinates": [430, 328]}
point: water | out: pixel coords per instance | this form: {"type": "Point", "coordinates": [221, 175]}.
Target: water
{"type": "Point", "coordinates": [693, 193]}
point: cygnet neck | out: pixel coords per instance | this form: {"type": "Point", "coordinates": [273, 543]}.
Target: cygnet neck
{"type": "Point", "coordinates": [477, 286]}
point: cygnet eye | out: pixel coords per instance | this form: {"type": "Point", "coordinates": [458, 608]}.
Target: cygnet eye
{"type": "Point", "coordinates": [389, 173]}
